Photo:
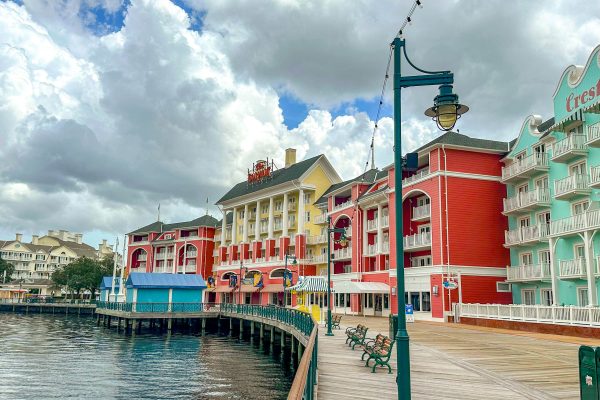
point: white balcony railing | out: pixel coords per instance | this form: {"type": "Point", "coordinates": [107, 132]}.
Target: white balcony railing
{"type": "Point", "coordinates": [526, 234]}
{"type": "Point", "coordinates": [371, 250]}
{"type": "Point", "coordinates": [372, 224]}
{"type": "Point", "coordinates": [385, 247]}
{"type": "Point", "coordinates": [571, 143]}
{"type": "Point", "coordinates": [341, 206]}
{"type": "Point", "coordinates": [142, 257]}
{"type": "Point", "coordinates": [343, 254]}
{"type": "Point", "coordinates": [593, 133]}
{"type": "Point", "coordinates": [320, 259]}
{"type": "Point", "coordinates": [385, 221]}
{"type": "Point", "coordinates": [527, 199]}
{"type": "Point", "coordinates": [561, 315]}
{"type": "Point", "coordinates": [191, 262]}
{"type": "Point", "coordinates": [417, 240]}
{"type": "Point", "coordinates": [573, 269]}
{"type": "Point", "coordinates": [316, 239]}
{"type": "Point", "coordinates": [571, 183]}
{"type": "Point", "coordinates": [320, 219]}
{"type": "Point", "coordinates": [534, 272]}
{"type": "Point", "coordinates": [577, 223]}
{"type": "Point", "coordinates": [192, 254]}
{"type": "Point", "coordinates": [413, 178]}
{"type": "Point", "coordinates": [529, 163]}
{"type": "Point", "coordinates": [421, 212]}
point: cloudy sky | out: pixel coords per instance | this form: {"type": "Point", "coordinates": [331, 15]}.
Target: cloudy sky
{"type": "Point", "coordinates": [109, 107]}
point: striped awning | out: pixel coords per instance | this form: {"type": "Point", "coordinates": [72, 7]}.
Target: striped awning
{"type": "Point", "coordinates": [313, 284]}
{"type": "Point", "coordinates": [560, 126]}
{"type": "Point", "coordinates": [361, 287]}
{"type": "Point", "coordinates": [224, 289]}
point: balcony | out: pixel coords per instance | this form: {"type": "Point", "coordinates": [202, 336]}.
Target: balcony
{"type": "Point", "coordinates": [528, 273]}
{"type": "Point", "coordinates": [264, 228]}
{"type": "Point", "coordinates": [316, 239]}
{"type": "Point", "coordinates": [417, 242]}
{"type": "Point", "coordinates": [416, 177]}
{"type": "Point", "coordinates": [569, 148]}
{"type": "Point", "coordinates": [385, 247]}
{"type": "Point", "coordinates": [260, 260]}
{"type": "Point", "coordinates": [593, 135]}
{"type": "Point", "coordinates": [595, 177]}
{"type": "Point", "coordinates": [371, 224]}
{"type": "Point", "coordinates": [320, 219]}
{"type": "Point", "coordinates": [341, 206]}
{"type": "Point", "coordinates": [421, 213]}
{"type": "Point", "coordinates": [320, 259]}
{"type": "Point", "coordinates": [525, 235]}
{"type": "Point", "coordinates": [277, 226]}
{"type": "Point", "coordinates": [527, 201]}
{"type": "Point", "coordinates": [571, 186]}
{"type": "Point", "coordinates": [371, 250]}
{"type": "Point", "coordinates": [183, 269]}
{"type": "Point", "coordinates": [163, 270]}
{"type": "Point", "coordinates": [291, 206]}
{"type": "Point", "coordinates": [191, 254]}
{"type": "Point", "coordinates": [142, 257]}
{"type": "Point", "coordinates": [385, 221]}
{"type": "Point", "coordinates": [577, 223]}
{"type": "Point", "coordinates": [573, 269]}
{"type": "Point", "coordinates": [343, 254]}
{"type": "Point", "coordinates": [526, 167]}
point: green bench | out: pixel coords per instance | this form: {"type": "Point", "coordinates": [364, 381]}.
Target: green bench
{"type": "Point", "coordinates": [357, 337]}
{"type": "Point", "coordinates": [381, 354]}
{"type": "Point", "coordinates": [350, 331]}
{"type": "Point", "coordinates": [371, 344]}
{"type": "Point", "coordinates": [335, 321]}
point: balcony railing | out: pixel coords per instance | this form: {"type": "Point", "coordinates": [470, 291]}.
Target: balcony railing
{"type": "Point", "coordinates": [320, 219]}
{"type": "Point", "coordinates": [341, 206]}
{"type": "Point", "coordinates": [320, 259]}
{"type": "Point", "coordinates": [573, 269]}
{"type": "Point", "coordinates": [371, 250]}
{"type": "Point", "coordinates": [577, 223]}
{"type": "Point", "coordinates": [344, 253]}
{"type": "Point", "coordinates": [522, 168]}
{"type": "Point", "coordinates": [526, 234]}
{"type": "Point", "coordinates": [595, 177]}
{"type": "Point", "coordinates": [534, 272]}
{"type": "Point", "coordinates": [142, 257]}
{"type": "Point", "coordinates": [413, 178]}
{"type": "Point", "coordinates": [192, 254]}
{"type": "Point", "coordinates": [421, 213]}
{"type": "Point", "coordinates": [527, 200]}
{"type": "Point", "coordinates": [561, 315]}
{"type": "Point", "coordinates": [593, 135]}
{"type": "Point", "coordinates": [385, 247]}
{"type": "Point", "coordinates": [570, 147]}
{"type": "Point", "coordinates": [571, 186]}
{"type": "Point", "coordinates": [417, 241]}
{"type": "Point", "coordinates": [372, 224]}
{"type": "Point", "coordinates": [316, 239]}
{"type": "Point", "coordinates": [385, 221]}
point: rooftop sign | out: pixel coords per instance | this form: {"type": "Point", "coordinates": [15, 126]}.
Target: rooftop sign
{"type": "Point", "coordinates": [261, 170]}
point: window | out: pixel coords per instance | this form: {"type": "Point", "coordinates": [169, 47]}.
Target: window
{"type": "Point", "coordinates": [422, 201]}
{"type": "Point", "coordinates": [528, 297]}
{"type": "Point", "coordinates": [242, 213]}
{"type": "Point", "coordinates": [526, 258]}
{"type": "Point", "coordinates": [544, 257]}
{"type": "Point", "coordinates": [347, 268]}
{"type": "Point", "coordinates": [288, 300]}
{"type": "Point", "coordinates": [519, 157]}
{"type": "Point", "coordinates": [424, 228]}
{"type": "Point", "coordinates": [307, 217]}
{"type": "Point", "coordinates": [575, 130]}
{"type": "Point", "coordinates": [541, 183]}
{"type": "Point", "coordinates": [543, 218]}
{"type": "Point", "coordinates": [522, 189]}
{"type": "Point", "coordinates": [386, 301]}
{"type": "Point", "coordinates": [503, 287]}
{"type": "Point", "coordinates": [247, 298]}
{"type": "Point", "coordinates": [539, 149]}
{"type": "Point", "coordinates": [546, 295]}
{"type": "Point", "coordinates": [274, 298]}
{"type": "Point", "coordinates": [580, 208]}
{"type": "Point", "coordinates": [306, 198]}
{"type": "Point", "coordinates": [167, 236]}
{"type": "Point", "coordinates": [278, 205]}
{"type": "Point", "coordinates": [578, 169]}
{"type": "Point", "coordinates": [524, 222]}
{"type": "Point", "coordinates": [423, 261]}
{"type": "Point", "coordinates": [426, 301]}
{"type": "Point", "coordinates": [582, 296]}
{"type": "Point", "coordinates": [579, 251]}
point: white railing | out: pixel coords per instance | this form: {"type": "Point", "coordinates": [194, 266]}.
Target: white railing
{"type": "Point", "coordinates": [371, 224]}
{"type": "Point", "coordinates": [341, 206]}
{"type": "Point", "coordinates": [191, 262]}
{"type": "Point", "coordinates": [192, 254]}
{"type": "Point", "coordinates": [343, 253]}
{"type": "Point", "coordinates": [573, 268]}
{"type": "Point", "coordinates": [413, 178]}
{"type": "Point", "coordinates": [595, 175]}
{"type": "Point", "coordinates": [568, 144]}
{"type": "Point", "coordinates": [142, 265]}
{"type": "Point", "coordinates": [260, 260]}
{"type": "Point", "coordinates": [264, 228]}
{"type": "Point", "coordinates": [316, 239]}
{"type": "Point", "coordinates": [526, 199]}
{"type": "Point", "coordinates": [593, 132]}
{"type": "Point", "coordinates": [561, 315]}
{"type": "Point", "coordinates": [526, 234]}
{"type": "Point", "coordinates": [320, 219]}
{"type": "Point", "coordinates": [421, 212]}
{"type": "Point", "coordinates": [277, 226]}
{"type": "Point", "coordinates": [385, 221]}
{"type": "Point", "coordinates": [371, 250]}
{"type": "Point", "coordinates": [186, 268]}
{"type": "Point", "coordinates": [528, 272]}
{"type": "Point", "coordinates": [385, 247]}
{"type": "Point", "coordinates": [417, 240]}
{"type": "Point", "coordinates": [530, 162]}
{"type": "Point", "coordinates": [291, 206]}
{"type": "Point", "coordinates": [576, 223]}
{"type": "Point", "coordinates": [320, 259]}
{"type": "Point", "coordinates": [571, 183]}
{"type": "Point", "coordinates": [142, 257]}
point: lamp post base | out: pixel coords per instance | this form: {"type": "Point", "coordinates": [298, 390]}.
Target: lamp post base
{"type": "Point", "coordinates": [329, 334]}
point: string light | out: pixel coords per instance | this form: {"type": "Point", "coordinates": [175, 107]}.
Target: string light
{"type": "Point", "coordinates": [408, 20]}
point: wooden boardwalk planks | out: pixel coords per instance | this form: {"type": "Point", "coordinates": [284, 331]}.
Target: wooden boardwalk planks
{"type": "Point", "coordinates": [454, 362]}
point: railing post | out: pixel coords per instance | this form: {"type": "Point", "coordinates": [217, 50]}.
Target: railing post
{"type": "Point", "coordinates": [571, 319]}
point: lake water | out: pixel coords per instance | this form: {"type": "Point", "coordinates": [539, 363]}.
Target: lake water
{"type": "Point", "coordinates": [52, 357]}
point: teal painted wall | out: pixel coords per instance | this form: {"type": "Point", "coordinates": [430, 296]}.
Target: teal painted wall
{"type": "Point", "coordinates": [129, 295]}
{"type": "Point", "coordinates": [152, 295]}
{"type": "Point", "coordinates": [187, 296]}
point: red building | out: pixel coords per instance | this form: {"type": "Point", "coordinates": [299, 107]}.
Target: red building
{"type": "Point", "coordinates": [184, 247]}
{"type": "Point", "coordinates": [453, 231]}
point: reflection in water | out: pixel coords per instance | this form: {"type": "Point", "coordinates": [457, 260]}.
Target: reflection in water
{"type": "Point", "coordinates": [50, 357]}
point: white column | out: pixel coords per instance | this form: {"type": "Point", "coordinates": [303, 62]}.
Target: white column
{"type": "Point", "coordinates": [285, 215]}
{"type": "Point", "coordinates": [234, 227]}
{"type": "Point", "coordinates": [223, 228]}
{"type": "Point", "coordinates": [271, 217]}
{"type": "Point", "coordinates": [364, 232]}
{"type": "Point", "coordinates": [379, 229]}
{"type": "Point", "coordinates": [245, 226]}
{"type": "Point", "coordinates": [301, 211]}
{"type": "Point", "coordinates": [553, 273]}
{"type": "Point", "coordinates": [257, 222]}
{"type": "Point", "coordinates": [589, 261]}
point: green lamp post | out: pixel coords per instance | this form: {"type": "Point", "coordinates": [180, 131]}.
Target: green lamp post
{"type": "Point", "coordinates": [445, 111]}
{"type": "Point", "coordinates": [343, 239]}
{"type": "Point", "coordinates": [285, 264]}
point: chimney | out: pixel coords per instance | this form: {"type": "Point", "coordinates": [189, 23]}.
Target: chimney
{"type": "Point", "coordinates": [19, 237]}
{"type": "Point", "coordinates": [78, 238]}
{"type": "Point", "coordinates": [290, 157]}
{"type": "Point", "coordinates": [34, 239]}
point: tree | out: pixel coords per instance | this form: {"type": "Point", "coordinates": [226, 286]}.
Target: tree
{"type": "Point", "coordinates": [6, 268]}
{"type": "Point", "coordinates": [83, 273]}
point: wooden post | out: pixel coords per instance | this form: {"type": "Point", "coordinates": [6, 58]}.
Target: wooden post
{"type": "Point", "coordinates": [251, 332]}
{"type": "Point", "coordinates": [241, 328]}
{"type": "Point", "coordinates": [282, 343]}
{"type": "Point", "coordinates": [300, 352]}
{"type": "Point", "coordinates": [169, 325]}
{"type": "Point", "coordinates": [292, 351]}
{"type": "Point", "coordinates": [109, 321]}
{"type": "Point", "coordinates": [134, 324]}
{"type": "Point", "coordinates": [230, 326]}
{"type": "Point", "coordinates": [219, 325]}
{"type": "Point", "coordinates": [203, 326]}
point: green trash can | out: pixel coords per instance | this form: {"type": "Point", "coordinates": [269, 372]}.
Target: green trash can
{"type": "Point", "coordinates": [393, 325]}
{"type": "Point", "coordinates": [588, 372]}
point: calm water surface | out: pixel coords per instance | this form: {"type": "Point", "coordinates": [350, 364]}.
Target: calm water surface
{"type": "Point", "coordinates": [51, 357]}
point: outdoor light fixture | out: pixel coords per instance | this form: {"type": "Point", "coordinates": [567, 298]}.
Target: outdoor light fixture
{"type": "Point", "coordinates": [446, 109]}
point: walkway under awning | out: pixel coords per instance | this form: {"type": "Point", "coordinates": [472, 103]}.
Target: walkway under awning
{"type": "Point", "coordinates": [224, 289]}
{"type": "Point", "coordinates": [361, 287]}
{"type": "Point", "coordinates": [273, 288]}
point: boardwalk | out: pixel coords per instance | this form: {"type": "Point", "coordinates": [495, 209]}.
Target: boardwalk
{"type": "Point", "coordinates": [456, 362]}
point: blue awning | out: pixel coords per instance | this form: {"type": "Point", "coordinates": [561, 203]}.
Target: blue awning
{"type": "Point", "coordinates": [146, 280]}
{"type": "Point", "coordinates": [106, 282]}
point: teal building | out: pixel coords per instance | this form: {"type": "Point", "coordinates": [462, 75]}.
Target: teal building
{"type": "Point", "coordinates": [552, 175]}
{"type": "Point", "coordinates": [164, 289]}
{"type": "Point", "coordinates": [106, 287]}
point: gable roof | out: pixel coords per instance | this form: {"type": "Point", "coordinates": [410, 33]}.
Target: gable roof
{"type": "Point", "coordinates": [158, 226]}
{"type": "Point", "coordinates": [106, 282]}
{"type": "Point", "coordinates": [278, 177]}
{"type": "Point", "coordinates": [158, 280]}
{"type": "Point", "coordinates": [458, 139]}
{"type": "Point", "coordinates": [368, 178]}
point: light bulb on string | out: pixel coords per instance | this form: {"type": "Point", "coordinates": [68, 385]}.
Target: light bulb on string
{"type": "Point", "coordinates": [419, 4]}
{"type": "Point", "coordinates": [409, 21]}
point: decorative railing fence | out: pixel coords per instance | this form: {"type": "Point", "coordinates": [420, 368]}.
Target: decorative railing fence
{"type": "Point", "coordinates": [561, 315]}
